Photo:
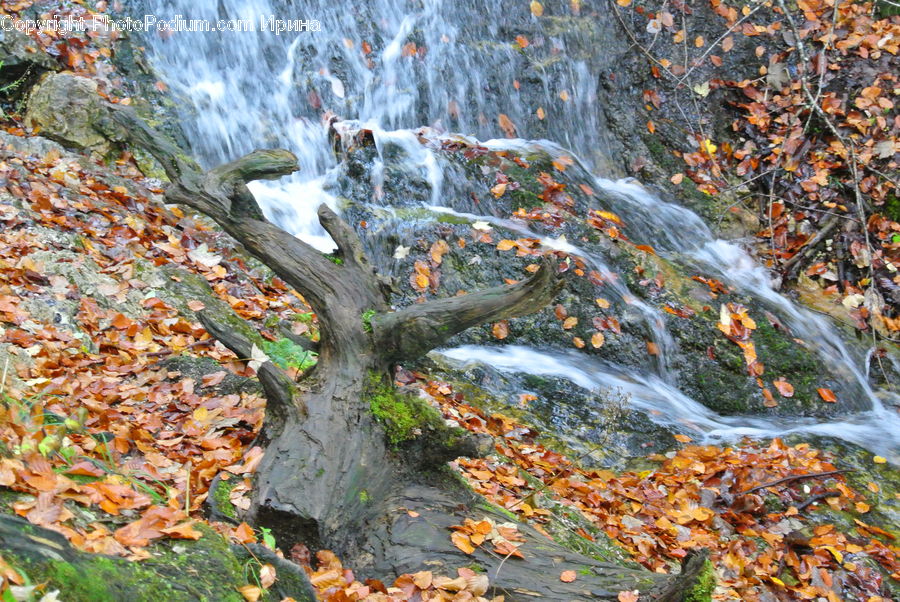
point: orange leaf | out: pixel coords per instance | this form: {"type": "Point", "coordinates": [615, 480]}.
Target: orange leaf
{"type": "Point", "coordinates": [506, 245]}
{"type": "Point", "coordinates": [251, 593]}
{"type": "Point", "coordinates": [597, 340]}
{"type": "Point", "coordinates": [183, 531]}
{"type": "Point", "coordinates": [570, 323]}
{"type": "Point", "coordinates": [506, 124]}
{"type": "Point", "coordinates": [500, 329]}
{"type": "Point", "coordinates": [827, 395]}
{"type": "Point", "coordinates": [628, 596]}
{"type": "Point", "coordinates": [784, 387]}
{"type": "Point", "coordinates": [522, 41]}
{"type": "Point", "coordinates": [651, 127]}
{"type": "Point", "coordinates": [121, 322]}
{"type": "Point", "coordinates": [244, 534]}
{"type": "Point", "coordinates": [462, 542]}
{"type": "Point", "coordinates": [567, 576]}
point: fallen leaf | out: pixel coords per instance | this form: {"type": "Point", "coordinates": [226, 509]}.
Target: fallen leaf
{"type": "Point", "coordinates": [827, 395]}
{"type": "Point", "coordinates": [567, 576]}
{"type": "Point", "coordinates": [251, 593]}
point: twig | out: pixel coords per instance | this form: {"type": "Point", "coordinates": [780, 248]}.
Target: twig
{"type": "Point", "coordinates": [796, 477]}
{"type": "Point", "coordinates": [847, 143]}
{"type": "Point", "coordinates": [3, 382]}
{"type": "Point", "coordinates": [818, 498]}
{"type": "Point", "coordinates": [194, 345]}
{"type": "Point", "coordinates": [828, 225]}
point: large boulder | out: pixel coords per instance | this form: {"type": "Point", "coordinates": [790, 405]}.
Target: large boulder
{"type": "Point", "coordinates": [68, 108]}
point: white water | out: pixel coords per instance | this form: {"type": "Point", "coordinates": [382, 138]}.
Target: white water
{"type": "Point", "coordinates": [667, 405]}
{"type": "Point", "coordinates": [255, 89]}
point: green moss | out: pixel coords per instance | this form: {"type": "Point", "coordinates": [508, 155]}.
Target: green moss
{"type": "Point", "coordinates": [703, 588]}
{"type": "Point", "coordinates": [334, 259]}
{"type": "Point", "coordinates": [204, 570]}
{"type": "Point", "coordinates": [223, 498]}
{"type": "Point", "coordinates": [397, 413]}
{"type": "Point", "coordinates": [892, 208]}
{"type": "Point", "coordinates": [408, 418]}
{"type": "Point", "coordinates": [285, 354]}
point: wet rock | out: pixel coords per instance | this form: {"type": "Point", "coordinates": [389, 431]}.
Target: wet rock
{"type": "Point", "coordinates": [654, 317]}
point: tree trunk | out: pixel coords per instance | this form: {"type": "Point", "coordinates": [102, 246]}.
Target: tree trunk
{"type": "Point", "coordinates": [329, 476]}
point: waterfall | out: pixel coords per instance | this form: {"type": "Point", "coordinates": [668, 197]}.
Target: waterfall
{"type": "Point", "coordinates": [394, 65]}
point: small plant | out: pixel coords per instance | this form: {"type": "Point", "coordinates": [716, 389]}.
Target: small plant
{"type": "Point", "coordinates": [367, 319]}
{"type": "Point", "coordinates": [304, 318]}
{"type": "Point", "coordinates": [5, 89]}
{"type": "Point", "coordinates": [286, 354]}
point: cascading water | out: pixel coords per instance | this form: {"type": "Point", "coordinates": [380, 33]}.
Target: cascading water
{"type": "Point", "coordinates": [395, 64]}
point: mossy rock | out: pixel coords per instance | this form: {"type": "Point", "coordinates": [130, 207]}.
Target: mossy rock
{"type": "Point", "coordinates": [203, 570]}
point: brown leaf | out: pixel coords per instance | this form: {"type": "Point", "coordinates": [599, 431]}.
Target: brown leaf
{"type": "Point", "coordinates": [567, 576]}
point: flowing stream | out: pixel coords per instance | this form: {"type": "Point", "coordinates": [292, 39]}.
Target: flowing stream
{"type": "Point", "coordinates": [250, 89]}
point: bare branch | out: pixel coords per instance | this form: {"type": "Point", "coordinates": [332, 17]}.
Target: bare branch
{"type": "Point", "coordinates": [344, 236]}
{"type": "Point", "coordinates": [278, 388]}
{"type": "Point", "coordinates": [414, 331]}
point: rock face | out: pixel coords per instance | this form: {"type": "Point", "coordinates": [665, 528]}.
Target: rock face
{"type": "Point", "coordinates": [625, 307]}
{"type": "Point", "coordinates": [67, 109]}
